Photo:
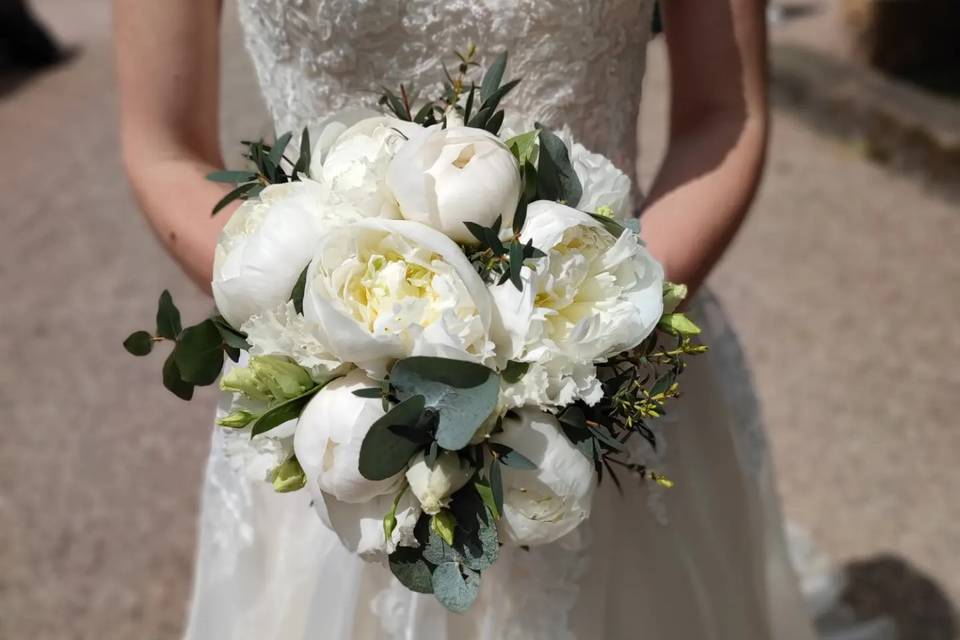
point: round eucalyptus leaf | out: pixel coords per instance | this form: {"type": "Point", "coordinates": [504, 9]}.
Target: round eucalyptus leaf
{"type": "Point", "coordinates": [385, 453]}
{"type": "Point", "coordinates": [200, 353]}
{"type": "Point", "coordinates": [411, 569]}
{"type": "Point", "coordinates": [139, 343]}
{"type": "Point", "coordinates": [455, 587]}
{"type": "Point", "coordinates": [463, 393]}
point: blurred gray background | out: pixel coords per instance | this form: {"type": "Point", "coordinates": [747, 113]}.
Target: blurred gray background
{"type": "Point", "coordinates": [844, 286]}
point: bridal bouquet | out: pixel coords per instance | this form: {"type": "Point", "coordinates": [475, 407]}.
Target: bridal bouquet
{"type": "Point", "coordinates": [446, 327]}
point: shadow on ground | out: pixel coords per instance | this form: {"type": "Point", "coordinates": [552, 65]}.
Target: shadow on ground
{"type": "Point", "coordinates": [888, 586]}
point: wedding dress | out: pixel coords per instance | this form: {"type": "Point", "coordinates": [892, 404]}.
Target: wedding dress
{"type": "Point", "coordinates": [704, 560]}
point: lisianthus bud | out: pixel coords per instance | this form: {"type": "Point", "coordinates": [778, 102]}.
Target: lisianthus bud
{"type": "Point", "coordinates": [268, 378]}
{"type": "Point", "coordinates": [673, 295]}
{"type": "Point", "coordinates": [236, 420]}
{"type": "Point", "coordinates": [289, 476]}
{"type": "Point", "coordinates": [433, 487]}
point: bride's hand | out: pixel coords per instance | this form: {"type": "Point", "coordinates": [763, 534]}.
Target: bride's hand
{"type": "Point", "coordinates": [168, 73]}
{"type": "Point", "coordinates": [718, 130]}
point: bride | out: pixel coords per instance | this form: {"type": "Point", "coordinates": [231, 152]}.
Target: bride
{"type": "Point", "coordinates": [704, 560]}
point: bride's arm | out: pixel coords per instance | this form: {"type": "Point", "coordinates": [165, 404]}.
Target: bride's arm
{"type": "Point", "coordinates": [168, 70]}
{"type": "Point", "coordinates": [718, 131]}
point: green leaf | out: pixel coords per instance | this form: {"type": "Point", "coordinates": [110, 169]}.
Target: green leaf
{"type": "Point", "coordinates": [276, 151]}
{"type": "Point", "coordinates": [495, 122]}
{"type": "Point", "coordinates": [511, 457]}
{"type": "Point", "coordinates": [231, 177]}
{"type": "Point", "coordinates": [139, 343]}
{"type": "Point", "coordinates": [296, 296]}
{"type": "Point", "coordinates": [557, 179]}
{"type": "Point", "coordinates": [469, 108]}
{"type": "Point", "coordinates": [463, 393]}
{"type": "Point", "coordinates": [200, 353]}
{"type": "Point", "coordinates": [172, 380]}
{"type": "Point", "coordinates": [443, 523]}
{"type": "Point", "coordinates": [514, 371]}
{"type": "Point", "coordinates": [168, 317]}
{"type": "Point", "coordinates": [496, 485]}
{"type": "Point", "coordinates": [516, 264]}
{"type": "Point", "coordinates": [240, 192]}
{"type": "Point", "coordinates": [523, 145]}
{"type": "Point", "coordinates": [491, 103]}
{"type": "Point", "coordinates": [304, 161]}
{"type": "Point", "coordinates": [478, 121]}
{"type": "Point", "coordinates": [369, 392]}
{"type": "Point", "coordinates": [383, 453]}
{"type": "Point", "coordinates": [455, 586]}
{"type": "Point", "coordinates": [476, 539]}
{"type": "Point", "coordinates": [231, 337]}
{"type": "Point", "coordinates": [486, 494]}
{"type": "Point", "coordinates": [283, 412]}
{"type": "Point", "coordinates": [413, 572]}
{"type": "Point", "coordinates": [612, 226]}
{"type": "Point", "coordinates": [493, 76]}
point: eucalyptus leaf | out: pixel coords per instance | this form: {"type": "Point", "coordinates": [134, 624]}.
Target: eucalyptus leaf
{"type": "Point", "coordinates": [383, 453]}
{"type": "Point", "coordinates": [276, 151]}
{"type": "Point", "coordinates": [283, 412]}
{"type": "Point", "coordinates": [476, 539]}
{"type": "Point", "coordinates": [514, 371]}
{"type": "Point", "coordinates": [455, 586]}
{"type": "Point", "coordinates": [493, 76]}
{"type": "Point", "coordinates": [296, 296]}
{"type": "Point", "coordinates": [369, 392]}
{"type": "Point", "coordinates": [557, 179]}
{"type": "Point", "coordinates": [139, 343]}
{"type": "Point", "coordinates": [172, 380]}
{"type": "Point", "coordinates": [231, 177]}
{"type": "Point", "coordinates": [495, 122]}
{"type": "Point", "coordinates": [200, 353]}
{"type": "Point", "coordinates": [511, 457]}
{"type": "Point", "coordinates": [516, 264]}
{"type": "Point", "coordinates": [464, 394]}
{"type": "Point", "coordinates": [168, 317]}
{"type": "Point", "coordinates": [496, 485]}
{"type": "Point", "coordinates": [413, 572]}
{"type": "Point", "coordinates": [304, 161]}
{"type": "Point", "coordinates": [231, 337]}
{"type": "Point", "coordinates": [238, 193]}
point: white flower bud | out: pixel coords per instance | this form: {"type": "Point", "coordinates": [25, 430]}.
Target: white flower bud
{"type": "Point", "coordinates": [433, 487]}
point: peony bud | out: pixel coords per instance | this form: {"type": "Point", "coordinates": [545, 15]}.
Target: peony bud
{"type": "Point", "coordinates": [455, 175]}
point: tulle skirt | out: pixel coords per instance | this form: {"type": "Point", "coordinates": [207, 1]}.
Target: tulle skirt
{"type": "Point", "coordinates": [706, 559]}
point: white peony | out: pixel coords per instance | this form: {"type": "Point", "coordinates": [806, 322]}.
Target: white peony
{"type": "Point", "coordinates": [329, 436]}
{"type": "Point", "coordinates": [455, 175]}
{"type": "Point", "coordinates": [265, 246]}
{"type": "Point", "coordinates": [360, 525]}
{"type": "Point", "coordinates": [591, 297]}
{"type": "Point", "coordinates": [606, 189]}
{"type": "Point", "coordinates": [542, 505]}
{"type": "Point", "coordinates": [433, 487]}
{"type": "Point", "coordinates": [379, 290]}
{"type": "Point", "coordinates": [354, 164]}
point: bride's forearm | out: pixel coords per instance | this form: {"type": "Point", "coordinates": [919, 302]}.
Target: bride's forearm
{"type": "Point", "coordinates": [177, 199]}
{"type": "Point", "coordinates": [701, 195]}
{"type": "Point", "coordinates": [718, 131]}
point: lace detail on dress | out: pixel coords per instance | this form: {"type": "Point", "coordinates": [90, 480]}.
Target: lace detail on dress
{"type": "Point", "coordinates": [582, 62]}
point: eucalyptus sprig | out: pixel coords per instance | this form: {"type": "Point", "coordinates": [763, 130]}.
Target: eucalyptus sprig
{"type": "Point", "coordinates": [269, 167]}
{"type": "Point", "coordinates": [198, 351]}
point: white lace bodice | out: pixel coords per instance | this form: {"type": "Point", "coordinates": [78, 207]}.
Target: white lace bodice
{"type": "Point", "coordinates": [582, 61]}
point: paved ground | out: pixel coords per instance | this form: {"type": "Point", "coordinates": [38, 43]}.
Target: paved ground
{"type": "Point", "coordinates": [844, 284]}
